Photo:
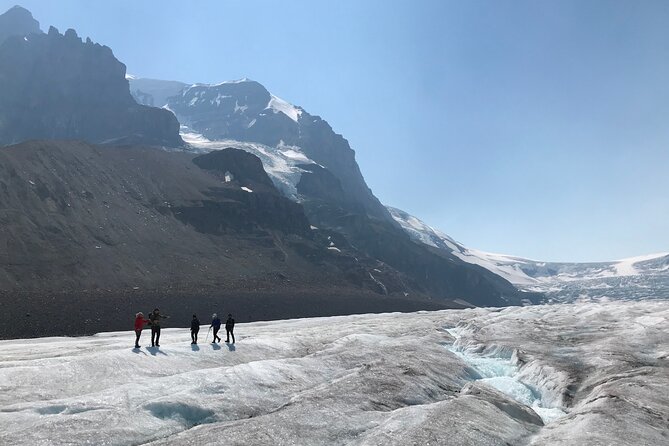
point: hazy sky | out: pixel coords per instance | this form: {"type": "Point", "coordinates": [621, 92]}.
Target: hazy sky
{"type": "Point", "coordinates": [534, 128]}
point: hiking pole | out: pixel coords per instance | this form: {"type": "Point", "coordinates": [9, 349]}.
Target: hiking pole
{"type": "Point", "coordinates": [207, 337]}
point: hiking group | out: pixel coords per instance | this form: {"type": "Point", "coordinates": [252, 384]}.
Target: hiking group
{"type": "Point", "coordinates": [154, 322]}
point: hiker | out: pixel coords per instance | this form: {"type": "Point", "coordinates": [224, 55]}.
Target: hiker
{"type": "Point", "coordinates": [229, 327]}
{"type": "Point", "coordinates": [139, 325]}
{"type": "Point", "coordinates": [155, 318]}
{"type": "Point", "coordinates": [216, 324]}
{"type": "Point", "coordinates": [194, 328]}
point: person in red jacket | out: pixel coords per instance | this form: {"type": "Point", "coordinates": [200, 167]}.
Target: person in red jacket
{"type": "Point", "coordinates": [139, 324]}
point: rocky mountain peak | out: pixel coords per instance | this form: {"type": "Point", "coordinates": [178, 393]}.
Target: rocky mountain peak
{"type": "Point", "coordinates": [244, 110]}
{"type": "Point", "coordinates": [55, 86]}
{"type": "Point", "coordinates": [17, 21]}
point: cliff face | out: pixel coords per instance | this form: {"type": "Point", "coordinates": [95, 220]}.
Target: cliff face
{"type": "Point", "coordinates": [55, 86]}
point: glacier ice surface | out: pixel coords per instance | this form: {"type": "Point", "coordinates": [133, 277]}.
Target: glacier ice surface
{"type": "Point", "coordinates": [355, 380]}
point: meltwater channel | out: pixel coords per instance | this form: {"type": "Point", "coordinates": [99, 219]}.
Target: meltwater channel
{"type": "Point", "coordinates": [502, 374]}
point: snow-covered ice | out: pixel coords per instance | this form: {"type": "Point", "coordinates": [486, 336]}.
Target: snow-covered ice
{"type": "Point", "coordinates": [355, 380]}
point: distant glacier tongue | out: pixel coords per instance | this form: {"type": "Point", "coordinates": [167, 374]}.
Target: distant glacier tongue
{"type": "Point", "coordinates": [500, 372]}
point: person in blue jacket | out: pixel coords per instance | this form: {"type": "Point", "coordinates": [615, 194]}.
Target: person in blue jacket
{"type": "Point", "coordinates": [216, 325]}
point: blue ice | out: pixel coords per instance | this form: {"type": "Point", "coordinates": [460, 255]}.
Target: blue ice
{"type": "Point", "coordinates": [501, 374]}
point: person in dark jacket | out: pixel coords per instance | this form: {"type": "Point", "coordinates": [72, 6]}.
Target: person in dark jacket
{"type": "Point", "coordinates": [194, 328]}
{"type": "Point", "coordinates": [229, 327]}
{"type": "Point", "coordinates": [216, 324]}
{"type": "Point", "coordinates": [139, 325]}
{"type": "Point", "coordinates": [155, 318]}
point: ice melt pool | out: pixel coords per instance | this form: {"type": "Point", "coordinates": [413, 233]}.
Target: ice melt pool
{"type": "Point", "coordinates": [501, 373]}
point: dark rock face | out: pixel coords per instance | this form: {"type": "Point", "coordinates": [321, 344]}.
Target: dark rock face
{"type": "Point", "coordinates": [233, 208]}
{"type": "Point", "coordinates": [17, 21]}
{"type": "Point", "coordinates": [240, 167]}
{"type": "Point", "coordinates": [318, 183]}
{"type": "Point", "coordinates": [55, 86]}
{"type": "Point", "coordinates": [323, 145]}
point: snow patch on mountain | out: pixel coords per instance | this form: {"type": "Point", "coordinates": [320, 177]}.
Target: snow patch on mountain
{"type": "Point", "coordinates": [295, 155]}
{"type": "Point", "coordinates": [278, 105]}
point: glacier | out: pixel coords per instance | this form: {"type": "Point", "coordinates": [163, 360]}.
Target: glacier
{"type": "Point", "coordinates": [475, 376]}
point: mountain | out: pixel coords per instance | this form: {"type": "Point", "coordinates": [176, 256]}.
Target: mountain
{"type": "Point", "coordinates": [287, 215]}
{"type": "Point", "coordinates": [245, 111]}
{"type": "Point", "coordinates": [55, 86]}
{"type": "Point", "coordinates": [314, 166]}
{"type": "Point", "coordinates": [644, 277]}
{"type": "Point", "coordinates": [17, 21]}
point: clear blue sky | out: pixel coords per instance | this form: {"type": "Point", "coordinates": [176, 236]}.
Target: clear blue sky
{"type": "Point", "coordinates": [535, 128]}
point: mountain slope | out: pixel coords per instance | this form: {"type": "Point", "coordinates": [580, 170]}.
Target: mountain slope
{"type": "Point", "coordinates": [634, 278]}
{"type": "Point", "coordinates": [300, 179]}
{"type": "Point", "coordinates": [86, 224]}
{"type": "Point", "coordinates": [76, 216]}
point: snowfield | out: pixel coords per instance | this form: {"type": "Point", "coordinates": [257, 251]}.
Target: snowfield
{"type": "Point", "coordinates": [596, 373]}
